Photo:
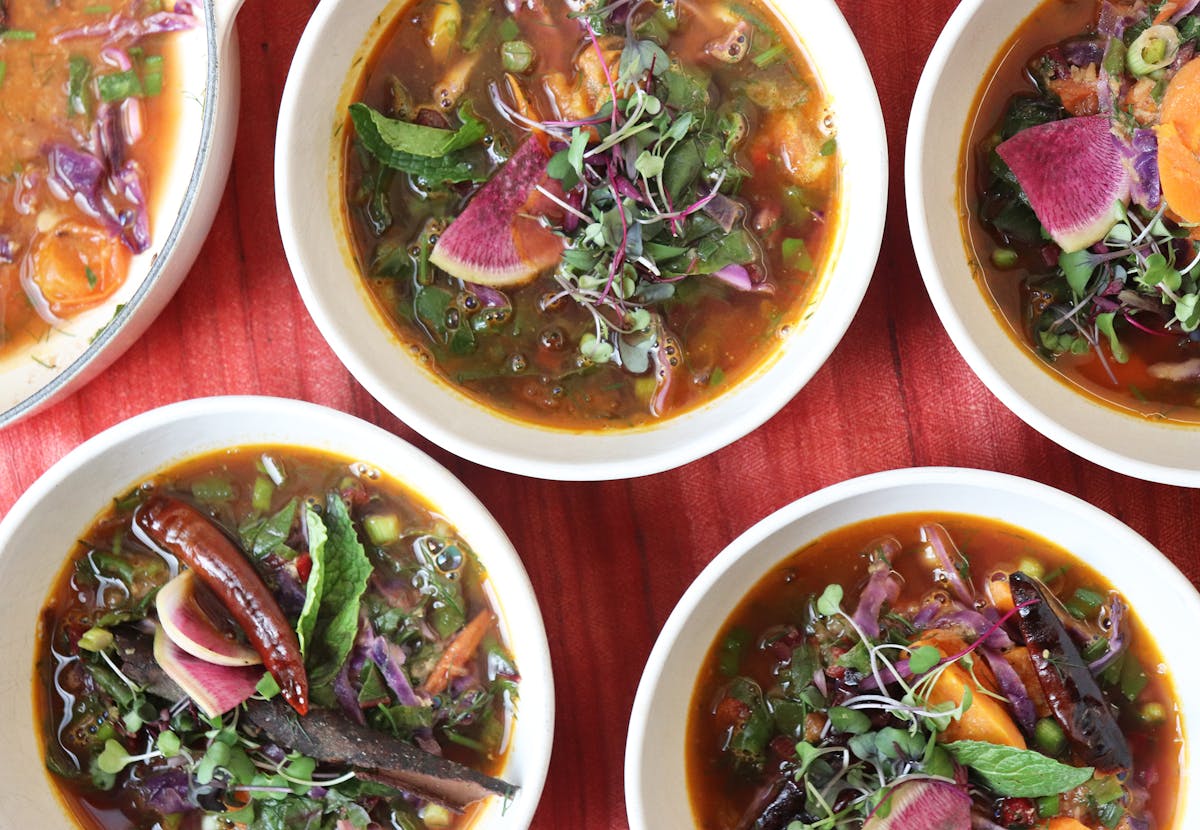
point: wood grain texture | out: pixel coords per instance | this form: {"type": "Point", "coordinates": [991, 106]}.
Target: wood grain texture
{"type": "Point", "coordinates": [894, 394]}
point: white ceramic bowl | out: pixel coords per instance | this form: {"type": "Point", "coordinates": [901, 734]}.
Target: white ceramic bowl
{"type": "Point", "coordinates": [188, 193]}
{"type": "Point", "coordinates": [41, 528]}
{"type": "Point", "coordinates": [1165, 602]}
{"type": "Point", "coordinates": [1127, 443]}
{"type": "Point", "coordinates": [308, 199]}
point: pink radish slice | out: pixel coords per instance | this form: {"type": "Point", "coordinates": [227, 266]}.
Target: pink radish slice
{"type": "Point", "coordinates": [215, 689]}
{"type": "Point", "coordinates": [924, 805]}
{"type": "Point", "coordinates": [496, 241]}
{"type": "Point", "coordinates": [1074, 175]}
{"type": "Point", "coordinates": [193, 631]}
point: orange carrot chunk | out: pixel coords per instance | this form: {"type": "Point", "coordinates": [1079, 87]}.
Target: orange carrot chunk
{"type": "Point", "coordinates": [454, 660]}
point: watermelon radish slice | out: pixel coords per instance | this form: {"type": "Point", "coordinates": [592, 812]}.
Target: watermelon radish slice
{"type": "Point", "coordinates": [215, 689]}
{"type": "Point", "coordinates": [924, 805]}
{"type": "Point", "coordinates": [497, 241]}
{"type": "Point", "coordinates": [193, 630]}
{"type": "Point", "coordinates": [1074, 175]}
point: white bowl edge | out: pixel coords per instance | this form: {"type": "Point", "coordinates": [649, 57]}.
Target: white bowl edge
{"type": "Point", "coordinates": [655, 774]}
{"type": "Point", "coordinates": [85, 480]}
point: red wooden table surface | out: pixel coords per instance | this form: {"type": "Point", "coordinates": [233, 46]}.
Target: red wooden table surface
{"type": "Point", "coordinates": [894, 394]}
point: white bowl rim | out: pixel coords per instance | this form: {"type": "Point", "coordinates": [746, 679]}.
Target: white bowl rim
{"type": "Point", "coordinates": [960, 333]}
{"type": "Point", "coordinates": [837, 311]}
{"type": "Point", "coordinates": [539, 724]}
{"type": "Point", "coordinates": [218, 16]}
{"type": "Point", "coordinates": [636, 754]}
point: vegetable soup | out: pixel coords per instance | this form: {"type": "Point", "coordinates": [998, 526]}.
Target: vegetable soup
{"type": "Point", "coordinates": [273, 637]}
{"type": "Point", "coordinates": [1096, 265]}
{"type": "Point", "coordinates": [933, 671]}
{"type": "Point", "coordinates": [573, 263]}
{"type": "Point", "coordinates": [82, 91]}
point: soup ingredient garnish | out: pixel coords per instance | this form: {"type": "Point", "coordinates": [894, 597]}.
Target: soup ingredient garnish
{"type": "Point", "coordinates": [1097, 160]}
{"type": "Point", "coordinates": [187, 534]}
{"type": "Point", "coordinates": [935, 707]}
{"type": "Point", "coordinates": [192, 629]}
{"type": "Point", "coordinates": [1071, 690]}
{"type": "Point", "coordinates": [658, 177]}
{"type": "Point", "coordinates": [498, 240]}
{"type": "Point", "coordinates": [1074, 175]}
{"type": "Point", "coordinates": [923, 805]}
{"type": "Point", "coordinates": [409, 685]}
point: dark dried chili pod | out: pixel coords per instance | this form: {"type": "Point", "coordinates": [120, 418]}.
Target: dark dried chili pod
{"type": "Point", "coordinates": [1073, 694]}
{"type": "Point", "coordinates": [187, 533]}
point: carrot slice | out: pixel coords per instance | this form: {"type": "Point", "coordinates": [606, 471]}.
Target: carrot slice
{"type": "Point", "coordinates": [986, 719]}
{"type": "Point", "coordinates": [1181, 104]}
{"type": "Point", "coordinates": [1166, 12]}
{"type": "Point", "coordinates": [1179, 169]}
{"type": "Point", "coordinates": [462, 648]}
{"type": "Point", "coordinates": [1065, 823]}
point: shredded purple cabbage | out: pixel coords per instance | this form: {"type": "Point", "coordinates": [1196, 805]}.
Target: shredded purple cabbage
{"type": "Point", "coordinates": [167, 792]}
{"type": "Point", "coordinates": [1141, 154]}
{"type": "Point", "coordinates": [1111, 22]}
{"type": "Point", "coordinates": [1013, 688]}
{"type": "Point", "coordinates": [882, 587]}
{"type": "Point", "coordinates": [1187, 8]}
{"type": "Point", "coordinates": [1115, 610]}
{"type": "Point", "coordinates": [490, 297]}
{"type": "Point", "coordinates": [8, 250]}
{"type": "Point", "coordinates": [347, 697]}
{"type": "Point", "coordinates": [948, 558]}
{"type": "Point", "coordinates": [974, 625]}
{"type": "Point", "coordinates": [724, 211]}
{"type": "Point", "coordinates": [1083, 53]}
{"type": "Point", "coordinates": [389, 657]}
{"type": "Point", "coordinates": [123, 27]}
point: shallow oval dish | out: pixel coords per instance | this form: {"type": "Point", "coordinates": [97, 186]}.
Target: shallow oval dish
{"type": "Point", "coordinates": [1166, 604]}
{"type": "Point", "coordinates": [945, 99]}
{"type": "Point", "coordinates": [41, 529]}
{"type": "Point", "coordinates": [188, 194]}
{"type": "Point", "coordinates": [308, 168]}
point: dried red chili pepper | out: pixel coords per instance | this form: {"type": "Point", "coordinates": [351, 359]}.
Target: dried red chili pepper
{"type": "Point", "coordinates": [187, 533]}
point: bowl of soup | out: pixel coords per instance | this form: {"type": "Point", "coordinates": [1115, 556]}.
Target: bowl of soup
{"type": "Point", "coordinates": [923, 648]}
{"type": "Point", "coordinates": [266, 612]}
{"type": "Point", "coordinates": [547, 283]}
{"type": "Point", "coordinates": [1055, 223]}
{"type": "Point", "coordinates": [116, 140]}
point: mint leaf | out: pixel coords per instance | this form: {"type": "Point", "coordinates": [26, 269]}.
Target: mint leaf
{"type": "Point", "coordinates": [428, 152]}
{"type": "Point", "coordinates": [268, 535]}
{"type": "Point", "coordinates": [1018, 773]}
{"type": "Point", "coordinates": [307, 624]}
{"type": "Point", "coordinates": [345, 571]}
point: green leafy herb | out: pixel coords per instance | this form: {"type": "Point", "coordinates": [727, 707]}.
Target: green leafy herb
{"type": "Point", "coordinates": [340, 582]}
{"type": "Point", "coordinates": [428, 152]}
{"type": "Point", "coordinates": [923, 659]}
{"type": "Point", "coordinates": [1018, 773]}
{"type": "Point", "coordinates": [79, 94]}
{"type": "Point", "coordinates": [119, 86]}
{"type": "Point", "coordinates": [268, 536]}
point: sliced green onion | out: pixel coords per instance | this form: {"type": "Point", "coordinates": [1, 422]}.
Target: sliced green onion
{"type": "Point", "coordinates": [509, 29]}
{"type": "Point", "coordinates": [382, 529]}
{"type": "Point", "coordinates": [1088, 598]}
{"type": "Point", "coordinates": [829, 147]}
{"type": "Point", "coordinates": [3, 71]}
{"type": "Point", "coordinates": [152, 75]}
{"type": "Point", "coordinates": [119, 86]}
{"type": "Point", "coordinates": [1049, 737]}
{"type": "Point", "coordinates": [1154, 49]}
{"type": "Point", "coordinates": [78, 97]}
{"type": "Point", "coordinates": [1105, 789]}
{"type": "Point", "coordinates": [260, 499]}
{"type": "Point", "coordinates": [475, 29]}
{"type": "Point", "coordinates": [769, 56]}
{"type": "Point", "coordinates": [1133, 679]}
{"type": "Point", "coordinates": [98, 9]}
{"type": "Point", "coordinates": [1031, 567]}
{"type": "Point", "coordinates": [96, 639]}
{"type": "Point", "coordinates": [516, 55]}
{"type": "Point", "coordinates": [1049, 806]}
{"type": "Point", "coordinates": [1004, 258]}
{"type": "Point", "coordinates": [1152, 713]}
{"type": "Point", "coordinates": [796, 255]}
{"type": "Point", "coordinates": [213, 489]}
{"type": "Point", "coordinates": [18, 34]}
{"type": "Point", "coordinates": [435, 815]}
